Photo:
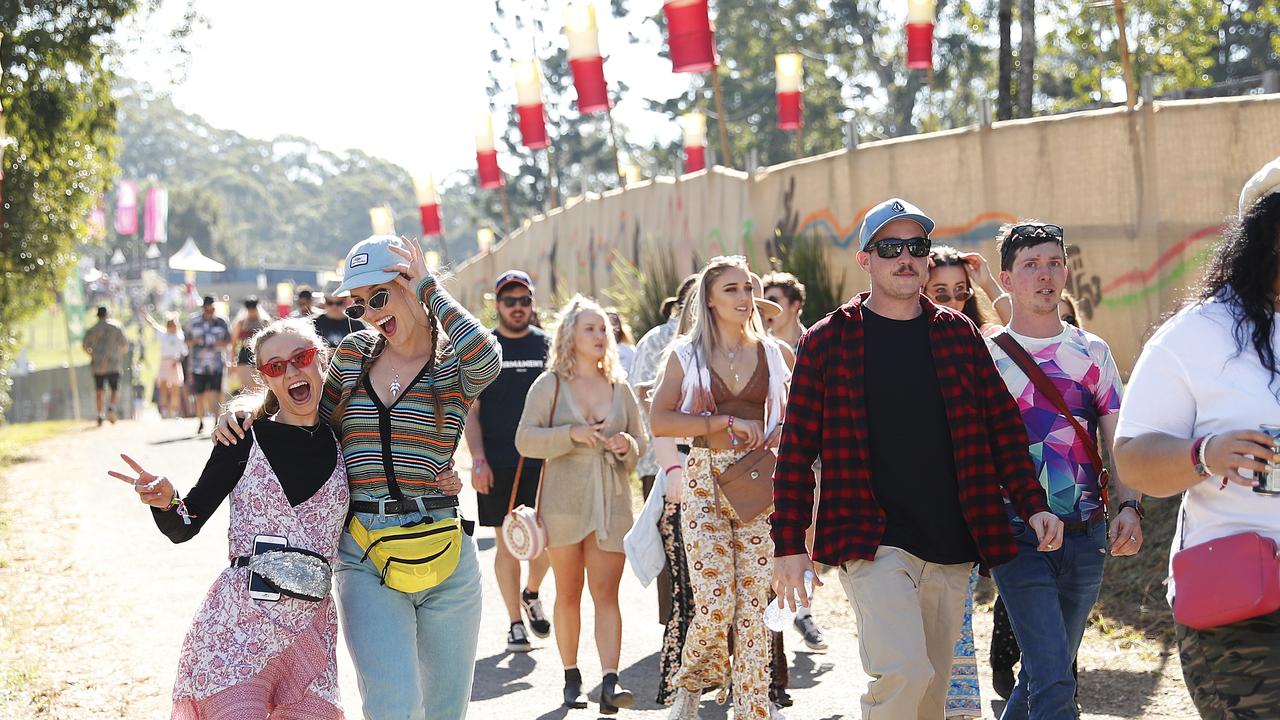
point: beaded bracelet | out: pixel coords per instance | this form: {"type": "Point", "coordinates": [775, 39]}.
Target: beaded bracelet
{"type": "Point", "coordinates": [733, 439]}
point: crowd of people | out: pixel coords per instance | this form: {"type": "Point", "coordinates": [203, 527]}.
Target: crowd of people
{"type": "Point", "coordinates": [953, 420]}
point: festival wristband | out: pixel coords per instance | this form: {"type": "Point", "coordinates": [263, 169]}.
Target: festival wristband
{"type": "Point", "coordinates": [673, 468]}
{"type": "Point", "coordinates": [1197, 456]}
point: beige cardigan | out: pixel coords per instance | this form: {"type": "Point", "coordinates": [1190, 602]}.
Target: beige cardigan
{"type": "Point", "coordinates": [587, 490]}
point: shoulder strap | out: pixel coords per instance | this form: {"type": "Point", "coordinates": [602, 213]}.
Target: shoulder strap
{"type": "Point", "coordinates": [515, 486]}
{"type": "Point", "coordinates": [1045, 386]}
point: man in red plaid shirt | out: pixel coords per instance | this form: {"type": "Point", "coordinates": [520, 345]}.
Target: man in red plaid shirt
{"type": "Point", "coordinates": [921, 445]}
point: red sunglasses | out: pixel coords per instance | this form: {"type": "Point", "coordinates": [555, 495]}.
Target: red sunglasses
{"type": "Point", "coordinates": [300, 359]}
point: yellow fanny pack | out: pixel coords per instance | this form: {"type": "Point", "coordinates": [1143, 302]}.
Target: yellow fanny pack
{"type": "Point", "coordinates": [411, 558]}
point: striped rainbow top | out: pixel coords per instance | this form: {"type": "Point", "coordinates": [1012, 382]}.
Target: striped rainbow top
{"type": "Point", "coordinates": [401, 441]}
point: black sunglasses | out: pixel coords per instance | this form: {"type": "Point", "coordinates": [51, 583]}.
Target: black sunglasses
{"type": "Point", "coordinates": [377, 301]}
{"type": "Point", "coordinates": [889, 249]}
{"type": "Point", "coordinates": [946, 297]}
{"type": "Point", "coordinates": [522, 301]}
{"type": "Point", "coordinates": [1031, 230]}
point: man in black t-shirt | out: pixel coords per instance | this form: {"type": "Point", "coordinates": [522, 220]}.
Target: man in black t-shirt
{"type": "Point", "coordinates": [491, 436]}
{"type": "Point", "coordinates": [334, 325]}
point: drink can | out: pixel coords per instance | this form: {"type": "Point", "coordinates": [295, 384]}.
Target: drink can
{"type": "Point", "coordinates": [1269, 481]}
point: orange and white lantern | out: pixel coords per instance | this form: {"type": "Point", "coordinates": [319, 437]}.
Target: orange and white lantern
{"type": "Point", "coordinates": [487, 154]}
{"type": "Point", "coordinates": [694, 125]}
{"type": "Point", "coordinates": [690, 40]}
{"type": "Point", "coordinates": [424, 187]}
{"type": "Point", "coordinates": [585, 60]}
{"type": "Point", "coordinates": [533, 117]}
{"type": "Point", "coordinates": [789, 75]}
{"type": "Point", "coordinates": [920, 19]}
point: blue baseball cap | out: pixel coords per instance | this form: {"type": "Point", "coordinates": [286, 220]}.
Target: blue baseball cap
{"type": "Point", "coordinates": [888, 211]}
{"type": "Point", "coordinates": [364, 263]}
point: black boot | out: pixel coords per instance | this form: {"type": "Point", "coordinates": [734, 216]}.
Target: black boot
{"type": "Point", "coordinates": [573, 689]}
{"type": "Point", "coordinates": [613, 697]}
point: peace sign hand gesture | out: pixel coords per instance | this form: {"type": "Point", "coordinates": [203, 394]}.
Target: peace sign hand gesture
{"type": "Point", "coordinates": [153, 490]}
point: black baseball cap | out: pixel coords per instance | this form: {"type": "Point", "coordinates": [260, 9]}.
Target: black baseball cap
{"type": "Point", "coordinates": [513, 276]}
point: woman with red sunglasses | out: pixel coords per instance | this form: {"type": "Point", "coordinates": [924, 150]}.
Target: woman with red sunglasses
{"type": "Point", "coordinates": [265, 650]}
{"type": "Point", "coordinates": [397, 394]}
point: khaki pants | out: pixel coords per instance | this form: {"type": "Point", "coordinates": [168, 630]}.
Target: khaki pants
{"type": "Point", "coordinates": [909, 614]}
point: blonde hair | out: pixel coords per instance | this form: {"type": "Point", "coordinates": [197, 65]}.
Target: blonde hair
{"type": "Point", "coordinates": [563, 360]}
{"type": "Point", "coordinates": [261, 401]}
{"type": "Point", "coordinates": [703, 332]}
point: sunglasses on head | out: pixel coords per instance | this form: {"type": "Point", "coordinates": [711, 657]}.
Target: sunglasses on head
{"type": "Point", "coordinates": [510, 302]}
{"type": "Point", "coordinates": [946, 297]}
{"type": "Point", "coordinates": [377, 301]}
{"type": "Point", "coordinates": [889, 249]}
{"type": "Point", "coordinates": [300, 359]}
{"type": "Point", "coordinates": [1031, 230]}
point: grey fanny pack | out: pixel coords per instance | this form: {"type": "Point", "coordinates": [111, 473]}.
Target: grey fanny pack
{"type": "Point", "coordinates": [293, 572]}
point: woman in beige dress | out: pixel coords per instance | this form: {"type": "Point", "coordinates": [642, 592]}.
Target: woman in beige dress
{"type": "Point", "coordinates": [582, 417]}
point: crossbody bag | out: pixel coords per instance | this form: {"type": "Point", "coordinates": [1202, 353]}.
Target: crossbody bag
{"type": "Point", "coordinates": [748, 483]}
{"type": "Point", "coordinates": [1225, 580]}
{"type": "Point", "coordinates": [522, 528]}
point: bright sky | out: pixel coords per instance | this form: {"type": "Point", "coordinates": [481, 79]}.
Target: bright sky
{"type": "Point", "coordinates": [399, 79]}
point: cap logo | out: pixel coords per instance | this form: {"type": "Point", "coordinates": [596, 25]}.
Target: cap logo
{"type": "Point", "coordinates": [361, 259]}
{"type": "Point", "coordinates": [897, 207]}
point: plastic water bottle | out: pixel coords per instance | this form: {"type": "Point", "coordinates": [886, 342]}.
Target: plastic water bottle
{"type": "Point", "coordinates": [776, 618]}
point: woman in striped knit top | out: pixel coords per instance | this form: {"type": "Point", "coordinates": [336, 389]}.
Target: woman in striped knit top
{"type": "Point", "coordinates": [398, 394]}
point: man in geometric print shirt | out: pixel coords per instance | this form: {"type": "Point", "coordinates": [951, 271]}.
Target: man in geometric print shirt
{"type": "Point", "coordinates": [1049, 595]}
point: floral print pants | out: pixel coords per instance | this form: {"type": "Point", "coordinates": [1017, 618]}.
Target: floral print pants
{"type": "Point", "coordinates": [730, 567]}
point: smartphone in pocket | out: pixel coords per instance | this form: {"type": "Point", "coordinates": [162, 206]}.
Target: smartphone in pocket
{"type": "Point", "coordinates": [258, 588]}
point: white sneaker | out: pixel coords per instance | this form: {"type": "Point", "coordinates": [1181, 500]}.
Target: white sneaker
{"type": "Point", "coordinates": [775, 713]}
{"type": "Point", "coordinates": [685, 706]}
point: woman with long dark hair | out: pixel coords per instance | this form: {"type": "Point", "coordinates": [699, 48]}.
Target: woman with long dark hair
{"type": "Point", "coordinates": [1190, 424]}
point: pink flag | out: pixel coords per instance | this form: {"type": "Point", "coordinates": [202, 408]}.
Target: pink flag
{"type": "Point", "coordinates": [98, 222]}
{"type": "Point", "coordinates": [127, 208]}
{"type": "Point", "coordinates": [156, 217]}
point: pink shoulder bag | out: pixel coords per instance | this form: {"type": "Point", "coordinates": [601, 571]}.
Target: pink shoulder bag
{"type": "Point", "coordinates": [522, 528]}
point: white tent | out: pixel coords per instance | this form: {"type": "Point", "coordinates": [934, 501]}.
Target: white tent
{"type": "Point", "coordinates": [190, 258]}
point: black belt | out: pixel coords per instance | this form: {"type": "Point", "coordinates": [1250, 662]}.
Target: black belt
{"type": "Point", "coordinates": [1081, 527]}
{"type": "Point", "coordinates": [404, 507]}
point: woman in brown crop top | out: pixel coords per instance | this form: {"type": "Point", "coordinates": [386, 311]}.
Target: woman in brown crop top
{"type": "Point", "coordinates": [723, 385]}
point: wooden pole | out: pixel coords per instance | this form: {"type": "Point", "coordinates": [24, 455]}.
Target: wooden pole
{"type": "Point", "coordinates": [1131, 89]}
{"type": "Point", "coordinates": [506, 209]}
{"type": "Point", "coordinates": [613, 144]}
{"type": "Point", "coordinates": [552, 202]}
{"type": "Point", "coordinates": [721, 119]}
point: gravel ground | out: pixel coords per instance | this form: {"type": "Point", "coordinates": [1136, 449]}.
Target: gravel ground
{"type": "Point", "coordinates": [94, 603]}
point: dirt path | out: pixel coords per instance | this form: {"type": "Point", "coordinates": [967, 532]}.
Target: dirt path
{"type": "Point", "coordinates": [94, 603]}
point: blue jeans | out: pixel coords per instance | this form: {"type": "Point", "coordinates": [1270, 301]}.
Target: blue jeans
{"type": "Point", "coordinates": [1049, 596]}
{"type": "Point", "coordinates": [414, 653]}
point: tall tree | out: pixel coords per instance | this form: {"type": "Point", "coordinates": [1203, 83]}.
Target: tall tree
{"type": "Point", "coordinates": [1004, 83]}
{"type": "Point", "coordinates": [56, 62]}
{"type": "Point", "coordinates": [753, 34]}
{"type": "Point", "coordinates": [1026, 56]}
{"type": "Point", "coordinates": [582, 158]}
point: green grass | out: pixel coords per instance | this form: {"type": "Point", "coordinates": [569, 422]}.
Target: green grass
{"type": "Point", "coordinates": [16, 440]}
{"type": "Point", "coordinates": [44, 337]}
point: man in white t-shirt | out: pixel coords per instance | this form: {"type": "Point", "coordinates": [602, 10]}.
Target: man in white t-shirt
{"type": "Point", "coordinates": [1049, 595]}
{"type": "Point", "coordinates": [1203, 385]}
